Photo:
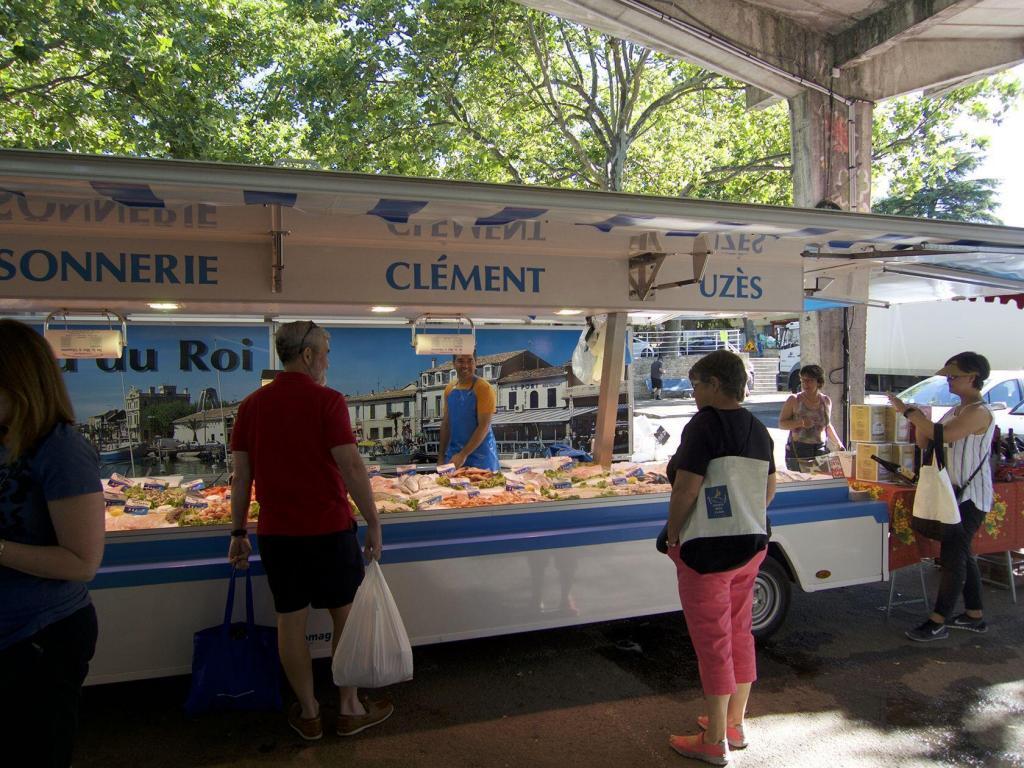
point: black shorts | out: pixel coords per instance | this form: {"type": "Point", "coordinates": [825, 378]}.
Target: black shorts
{"type": "Point", "coordinates": [323, 571]}
{"type": "Point", "coordinates": [655, 383]}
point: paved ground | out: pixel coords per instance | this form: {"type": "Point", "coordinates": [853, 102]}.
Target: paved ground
{"type": "Point", "coordinates": [839, 687]}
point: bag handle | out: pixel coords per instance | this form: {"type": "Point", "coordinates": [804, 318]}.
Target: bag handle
{"type": "Point", "coordinates": [229, 607]}
{"type": "Point", "coordinates": [936, 450]}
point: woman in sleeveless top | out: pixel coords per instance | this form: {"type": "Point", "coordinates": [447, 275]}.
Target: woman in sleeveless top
{"type": "Point", "coordinates": [808, 417]}
{"type": "Point", "coordinates": [967, 432]}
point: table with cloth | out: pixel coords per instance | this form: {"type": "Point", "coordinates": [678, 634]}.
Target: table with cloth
{"type": "Point", "coordinates": [1002, 530]}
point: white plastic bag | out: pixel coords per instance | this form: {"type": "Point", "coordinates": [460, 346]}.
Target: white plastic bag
{"type": "Point", "coordinates": [583, 358]}
{"type": "Point", "coordinates": [374, 649]}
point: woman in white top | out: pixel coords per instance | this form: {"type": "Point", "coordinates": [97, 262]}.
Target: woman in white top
{"type": "Point", "coordinates": [967, 433]}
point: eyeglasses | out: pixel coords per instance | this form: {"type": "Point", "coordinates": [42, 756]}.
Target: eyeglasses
{"type": "Point", "coordinates": [302, 344]}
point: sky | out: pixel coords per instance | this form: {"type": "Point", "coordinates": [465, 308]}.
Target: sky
{"type": "Point", "coordinates": [233, 357]}
{"type": "Point", "coordinates": [1005, 161]}
{"type": "Point", "coordinates": [365, 360]}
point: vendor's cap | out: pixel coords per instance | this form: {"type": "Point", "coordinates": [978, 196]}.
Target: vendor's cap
{"type": "Point", "coordinates": [952, 369]}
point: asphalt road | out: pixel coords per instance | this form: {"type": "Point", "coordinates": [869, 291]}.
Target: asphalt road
{"type": "Point", "coordinates": [839, 686]}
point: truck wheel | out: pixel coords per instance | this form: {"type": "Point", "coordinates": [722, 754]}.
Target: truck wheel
{"type": "Point", "coordinates": [794, 381]}
{"type": "Point", "coordinates": [771, 598]}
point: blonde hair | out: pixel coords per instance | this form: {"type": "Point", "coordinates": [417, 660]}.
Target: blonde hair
{"type": "Point", "coordinates": [33, 384]}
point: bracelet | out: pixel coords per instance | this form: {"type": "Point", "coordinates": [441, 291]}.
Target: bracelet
{"type": "Point", "coordinates": [908, 411]}
{"type": "Point", "coordinates": [239, 532]}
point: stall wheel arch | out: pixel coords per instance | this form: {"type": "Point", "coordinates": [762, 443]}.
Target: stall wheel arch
{"type": "Point", "coordinates": [771, 598]}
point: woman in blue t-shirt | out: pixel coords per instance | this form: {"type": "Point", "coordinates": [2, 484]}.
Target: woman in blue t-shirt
{"type": "Point", "coordinates": [51, 543]}
{"type": "Point", "coordinates": [723, 478]}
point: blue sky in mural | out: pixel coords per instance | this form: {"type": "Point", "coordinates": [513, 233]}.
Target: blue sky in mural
{"type": "Point", "coordinates": [187, 356]}
{"type": "Point", "coordinates": [364, 360]}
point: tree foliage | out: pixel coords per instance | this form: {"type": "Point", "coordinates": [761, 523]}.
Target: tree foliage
{"type": "Point", "coordinates": [926, 148]}
{"type": "Point", "coordinates": [462, 89]}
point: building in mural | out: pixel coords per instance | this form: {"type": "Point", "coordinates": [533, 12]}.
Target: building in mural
{"type": "Point", "coordinates": [137, 402]}
{"type": "Point", "coordinates": [386, 415]}
{"type": "Point", "coordinates": [212, 425]}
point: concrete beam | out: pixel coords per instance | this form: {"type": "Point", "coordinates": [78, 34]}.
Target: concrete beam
{"type": "Point", "coordinates": [892, 25]}
{"type": "Point", "coordinates": [916, 65]}
{"type": "Point", "coordinates": [661, 26]}
{"type": "Point", "coordinates": [758, 99]}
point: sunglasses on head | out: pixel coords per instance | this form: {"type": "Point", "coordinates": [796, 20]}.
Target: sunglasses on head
{"type": "Point", "coordinates": [302, 344]}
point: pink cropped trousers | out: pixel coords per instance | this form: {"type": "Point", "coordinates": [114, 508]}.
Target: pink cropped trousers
{"type": "Point", "coordinates": [717, 608]}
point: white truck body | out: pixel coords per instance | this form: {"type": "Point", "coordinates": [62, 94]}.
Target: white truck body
{"type": "Point", "coordinates": [908, 342]}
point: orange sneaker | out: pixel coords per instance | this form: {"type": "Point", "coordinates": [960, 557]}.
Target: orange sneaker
{"type": "Point", "coordinates": [696, 748]}
{"type": "Point", "coordinates": [308, 728]}
{"type": "Point", "coordinates": [733, 733]}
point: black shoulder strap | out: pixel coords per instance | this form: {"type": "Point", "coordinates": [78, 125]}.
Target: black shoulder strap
{"type": "Point", "coordinates": [936, 450]}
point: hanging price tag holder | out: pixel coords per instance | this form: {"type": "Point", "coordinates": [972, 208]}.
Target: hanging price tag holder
{"type": "Point", "coordinates": [433, 343]}
{"type": "Point", "coordinates": [86, 343]}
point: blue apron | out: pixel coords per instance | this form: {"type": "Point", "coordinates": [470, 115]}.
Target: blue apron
{"type": "Point", "coordinates": [462, 423]}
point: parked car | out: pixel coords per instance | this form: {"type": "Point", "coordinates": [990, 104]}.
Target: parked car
{"type": "Point", "coordinates": [1012, 418]}
{"type": "Point", "coordinates": [642, 348]}
{"type": "Point", "coordinates": [1001, 387]}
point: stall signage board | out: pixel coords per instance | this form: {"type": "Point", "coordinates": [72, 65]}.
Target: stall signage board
{"type": "Point", "coordinates": [85, 344]}
{"type": "Point", "coordinates": [47, 269]}
{"type": "Point", "coordinates": [445, 344]}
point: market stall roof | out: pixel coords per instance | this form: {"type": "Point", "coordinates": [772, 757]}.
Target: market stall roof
{"type": "Point", "coordinates": [337, 224]}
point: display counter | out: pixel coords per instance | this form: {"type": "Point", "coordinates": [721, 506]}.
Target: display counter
{"type": "Point", "coordinates": [486, 570]}
{"type": "Point", "coordinates": [181, 502]}
{"type": "Point", "coordinates": [1002, 530]}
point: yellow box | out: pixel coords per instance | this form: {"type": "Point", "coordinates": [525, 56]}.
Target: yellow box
{"type": "Point", "coordinates": [877, 424]}
{"type": "Point", "coordinates": [903, 454]}
{"type": "Point", "coordinates": [869, 469]}
{"type": "Point", "coordinates": [872, 424]}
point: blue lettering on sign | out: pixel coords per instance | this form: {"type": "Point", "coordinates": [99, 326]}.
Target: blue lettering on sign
{"type": "Point", "coordinates": [741, 242]}
{"type": "Point", "coordinates": [39, 265]}
{"type": "Point", "coordinates": [737, 286]}
{"type": "Point", "coordinates": [441, 276]}
{"type": "Point", "coordinates": [446, 229]}
{"type": "Point", "coordinates": [121, 211]}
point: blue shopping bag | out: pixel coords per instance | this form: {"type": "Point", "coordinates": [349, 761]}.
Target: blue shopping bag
{"type": "Point", "coordinates": [235, 666]}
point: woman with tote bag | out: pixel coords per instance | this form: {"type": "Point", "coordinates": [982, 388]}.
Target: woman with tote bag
{"type": "Point", "coordinates": [967, 432]}
{"type": "Point", "coordinates": [723, 478]}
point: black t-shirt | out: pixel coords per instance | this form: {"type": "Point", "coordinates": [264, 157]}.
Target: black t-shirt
{"type": "Point", "coordinates": [712, 434]}
{"type": "Point", "coordinates": [656, 369]}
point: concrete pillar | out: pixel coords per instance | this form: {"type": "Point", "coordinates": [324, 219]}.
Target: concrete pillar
{"type": "Point", "coordinates": [831, 148]}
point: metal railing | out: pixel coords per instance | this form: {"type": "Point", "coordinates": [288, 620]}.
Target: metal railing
{"type": "Point", "coordinates": [677, 343]}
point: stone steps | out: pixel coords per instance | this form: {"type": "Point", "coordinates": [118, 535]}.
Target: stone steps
{"type": "Point", "coordinates": [764, 369]}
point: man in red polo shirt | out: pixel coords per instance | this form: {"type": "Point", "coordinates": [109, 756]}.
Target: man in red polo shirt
{"type": "Point", "coordinates": [293, 437]}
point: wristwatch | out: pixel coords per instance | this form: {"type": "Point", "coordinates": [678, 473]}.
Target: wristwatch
{"type": "Point", "coordinates": [239, 532]}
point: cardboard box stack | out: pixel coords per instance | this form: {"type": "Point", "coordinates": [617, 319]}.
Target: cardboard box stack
{"type": "Point", "coordinates": [879, 430]}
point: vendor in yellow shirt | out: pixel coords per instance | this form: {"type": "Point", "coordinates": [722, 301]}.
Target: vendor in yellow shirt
{"type": "Point", "coordinates": [469, 404]}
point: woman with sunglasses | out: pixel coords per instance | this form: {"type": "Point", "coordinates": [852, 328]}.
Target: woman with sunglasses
{"type": "Point", "coordinates": [967, 432]}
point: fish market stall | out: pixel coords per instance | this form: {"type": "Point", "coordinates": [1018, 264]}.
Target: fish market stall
{"type": "Point", "coordinates": [542, 542]}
